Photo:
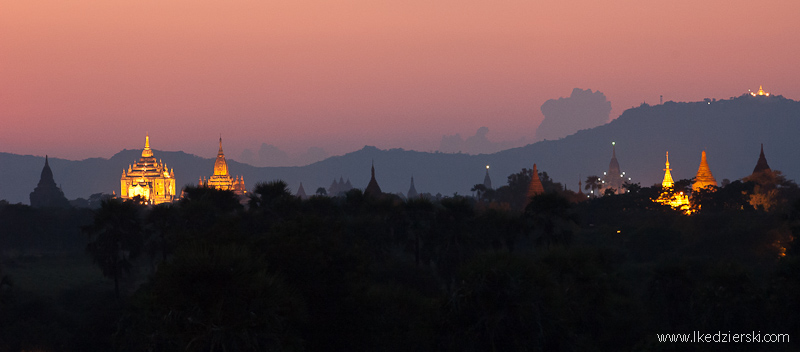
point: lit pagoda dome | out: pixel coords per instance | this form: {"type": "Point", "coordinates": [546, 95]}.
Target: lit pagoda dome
{"type": "Point", "coordinates": [220, 165]}
{"type": "Point", "coordinates": [760, 92]}
{"type": "Point", "coordinates": [148, 178]}
{"type": "Point", "coordinates": [667, 182]}
{"type": "Point", "coordinates": [704, 177]}
{"type": "Point", "coordinates": [221, 179]}
{"type": "Point", "coordinates": [677, 200]}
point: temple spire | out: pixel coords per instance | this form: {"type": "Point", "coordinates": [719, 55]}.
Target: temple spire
{"type": "Point", "coordinates": [487, 181]}
{"type": "Point", "coordinates": [372, 188]}
{"type": "Point", "coordinates": [220, 165]}
{"type": "Point", "coordinates": [536, 186]}
{"type": "Point", "coordinates": [412, 191]}
{"type": "Point", "coordinates": [47, 193]}
{"type": "Point", "coordinates": [668, 182]}
{"type": "Point", "coordinates": [761, 165]}
{"type": "Point", "coordinates": [613, 178]}
{"type": "Point", "coordinates": [704, 177]}
{"type": "Point", "coordinates": [147, 152]}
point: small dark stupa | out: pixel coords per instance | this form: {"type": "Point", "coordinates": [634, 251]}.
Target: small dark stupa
{"type": "Point", "coordinates": [412, 191]}
{"type": "Point", "coordinates": [372, 188]}
{"type": "Point", "coordinates": [301, 193]}
{"type": "Point", "coordinates": [47, 194]}
{"type": "Point", "coordinates": [761, 165]}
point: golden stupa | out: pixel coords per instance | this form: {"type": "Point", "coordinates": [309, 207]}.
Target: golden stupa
{"type": "Point", "coordinates": [704, 177]}
{"type": "Point", "coordinates": [760, 92]}
{"type": "Point", "coordinates": [668, 196]}
{"type": "Point", "coordinates": [221, 179]}
{"type": "Point", "coordinates": [148, 178]}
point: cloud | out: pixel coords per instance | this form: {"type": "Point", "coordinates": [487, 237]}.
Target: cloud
{"type": "Point", "coordinates": [565, 116]}
{"type": "Point", "coordinates": [477, 144]}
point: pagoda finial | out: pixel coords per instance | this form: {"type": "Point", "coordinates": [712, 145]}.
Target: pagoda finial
{"type": "Point", "coordinates": [761, 165]}
{"type": "Point", "coordinates": [147, 152]}
{"type": "Point", "coordinates": [668, 182]}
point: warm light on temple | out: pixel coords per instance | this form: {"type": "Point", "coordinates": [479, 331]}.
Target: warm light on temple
{"type": "Point", "coordinates": [148, 178]}
{"type": "Point", "coordinates": [760, 92]}
{"type": "Point", "coordinates": [678, 201]}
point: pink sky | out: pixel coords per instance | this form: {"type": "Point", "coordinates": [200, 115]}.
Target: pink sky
{"type": "Point", "coordinates": [88, 78]}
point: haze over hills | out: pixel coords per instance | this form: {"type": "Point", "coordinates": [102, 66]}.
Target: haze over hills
{"type": "Point", "coordinates": [730, 131]}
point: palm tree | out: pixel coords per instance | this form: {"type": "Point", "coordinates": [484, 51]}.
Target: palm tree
{"type": "Point", "coordinates": [116, 238]}
{"type": "Point", "coordinates": [593, 183]}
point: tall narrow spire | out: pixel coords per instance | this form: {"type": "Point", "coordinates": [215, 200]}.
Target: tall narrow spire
{"type": "Point", "coordinates": [761, 165]}
{"type": "Point", "coordinates": [613, 177]}
{"type": "Point", "coordinates": [668, 182]}
{"type": "Point", "coordinates": [704, 177]}
{"type": "Point", "coordinates": [412, 191]}
{"type": "Point", "coordinates": [487, 181]}
{"type": "Point", "coordinates": [220, 165]}
{"type": "Point", "coordinates": [373, 188]}
{"type": "Point", "coordinates": [147, 152]}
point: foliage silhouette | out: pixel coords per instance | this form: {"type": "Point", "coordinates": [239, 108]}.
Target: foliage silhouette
{"type": "Point", "coordinates": [116, 238]}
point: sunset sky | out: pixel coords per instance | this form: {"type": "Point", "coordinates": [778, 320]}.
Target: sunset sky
{"type": "Point", "coordinates": [88, 78]}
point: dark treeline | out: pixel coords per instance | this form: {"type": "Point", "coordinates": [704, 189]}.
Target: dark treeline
{"type": "Point", "coordinates": [494, 272]}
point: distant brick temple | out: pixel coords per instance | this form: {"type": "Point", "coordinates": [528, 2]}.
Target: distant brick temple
{"type": "Point", "coordinates": [148, 178]}
{"type": "Point", "coordinates": [372, 187]}
{"type": "Point", "coordinates": [47, 194]}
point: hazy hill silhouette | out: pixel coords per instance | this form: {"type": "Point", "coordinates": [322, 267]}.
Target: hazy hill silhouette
{"type": "Point", "coordinates": [730, 131]}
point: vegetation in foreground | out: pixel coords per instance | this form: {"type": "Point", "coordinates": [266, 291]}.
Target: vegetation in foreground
{"type": "Point", "coordinates": [380, 273]}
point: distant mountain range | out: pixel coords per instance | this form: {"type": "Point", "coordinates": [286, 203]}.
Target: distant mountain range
{"type": "Point", "coordinates": [730, 131]}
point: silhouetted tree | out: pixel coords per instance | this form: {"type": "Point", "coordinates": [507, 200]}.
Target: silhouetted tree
{"type": "Point", "coordinates": [116, 238]}
{"type": "Point", "coordinates": [160, 224]}
{"type": "Point", "coordinates": [214, 298]}
{"type": "Point", "coordinates": [593, 183]}
{"type": "Point", "coordinates": [549, 215]}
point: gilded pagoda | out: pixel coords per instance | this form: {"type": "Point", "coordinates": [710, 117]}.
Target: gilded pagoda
{"type": "Point", "coordinates": [148, 178]}
{"type": "Point", "coordinates": [704, 178]}
{"type": "Point", "coordinates": [678, 201]}
{"type": "Point", "coordinates": [221, 180]}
